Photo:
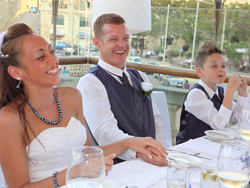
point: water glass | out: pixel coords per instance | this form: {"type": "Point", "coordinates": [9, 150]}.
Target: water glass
{"type": "Point", "coordinates": [86, 168]}
{"type": "Point", "coordinates": [176, 174]}
{"type": "Point", "coordinates": [193, 176]}
{"type": "Point", "coordinates": [209, 175]}
{"type": "Point", "coordinates": [234, 164]}
{"type": "Point", "coordinates": [244, 124]}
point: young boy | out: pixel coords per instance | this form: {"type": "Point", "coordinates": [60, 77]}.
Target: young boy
{"type": "Point", "coordinates": [208, 106]}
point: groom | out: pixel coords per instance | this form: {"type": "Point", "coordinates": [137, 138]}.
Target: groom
{"type": "Point", "coordinates": [114, 105]}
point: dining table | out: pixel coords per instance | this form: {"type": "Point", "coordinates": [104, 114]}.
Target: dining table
{"type": "Point", "coordinates": [139, 174]}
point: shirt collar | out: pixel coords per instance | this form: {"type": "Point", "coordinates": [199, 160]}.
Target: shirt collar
{"type": "Point", "coordinates": [208, 89]}
{"type": "Point", "coordinates": [112, 69]}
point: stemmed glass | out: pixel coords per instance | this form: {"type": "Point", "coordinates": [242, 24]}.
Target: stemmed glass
{"type": "Point", "coordinates": [233, 164]}
{"type": "Point", "coordinates": [244, 125]}
{"type": "Point", "coordinates": [86, 168]}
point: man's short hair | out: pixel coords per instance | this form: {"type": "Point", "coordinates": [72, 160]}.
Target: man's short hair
{"type": "Point", "coordinates": [106, 19]}
{"type": "Point", "coordinates": [205, 51]}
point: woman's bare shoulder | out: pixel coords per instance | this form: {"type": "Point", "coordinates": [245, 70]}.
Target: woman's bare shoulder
{"type": "Point", "coordinates": [68, 92]}
{"type": "Point", "coordinates": [9, 119]}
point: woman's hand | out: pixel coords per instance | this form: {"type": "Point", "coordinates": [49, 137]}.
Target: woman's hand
{"type": "Point", "coordinates": [157, 159]}
{"type": "Point", "coordinates": [149, 147]}
{"type": "Point", "coordinates": [109, 162]}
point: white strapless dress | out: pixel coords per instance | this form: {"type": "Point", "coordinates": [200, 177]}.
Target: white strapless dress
{"type": "Point", "coordinates": [51, 150]}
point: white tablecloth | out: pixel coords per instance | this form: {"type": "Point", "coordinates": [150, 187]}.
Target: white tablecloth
{"type": "Point", "coordinates": [144, 175]}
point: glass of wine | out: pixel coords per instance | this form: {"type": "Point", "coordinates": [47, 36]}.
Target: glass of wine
{"type": "Point", "coordinates": [244, 125]}
{"type": "Point", "coordinates": [86, 168]}
{"type": "Point", "coordinates": [234, 164]}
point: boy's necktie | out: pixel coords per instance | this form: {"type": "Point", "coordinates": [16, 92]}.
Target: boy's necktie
{"type": "Point", "coordinates": [217, 102]}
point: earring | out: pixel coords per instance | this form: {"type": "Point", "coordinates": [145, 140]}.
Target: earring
{"type": "Point", "coordinates": [18, 85]}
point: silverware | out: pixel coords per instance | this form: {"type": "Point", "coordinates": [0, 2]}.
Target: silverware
{"type": "Point", "coordinates": [196, 154]}
{"type": "Point", "coordinates": [180, 162]}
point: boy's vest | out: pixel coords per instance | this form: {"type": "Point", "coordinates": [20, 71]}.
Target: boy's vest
{"type": "Point", "coordinates": [190, 126]}
{"type": "Point", "coordinates": [132, 110]}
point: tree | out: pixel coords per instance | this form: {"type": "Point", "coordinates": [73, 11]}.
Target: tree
{"type": "Point", "coordinates": [172, 53]}
{"type": "Point", "coordinates": [232, 54]}
{"type": "Point", "coordinates": [181, 21]}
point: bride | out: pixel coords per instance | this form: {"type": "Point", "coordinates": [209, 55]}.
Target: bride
{"type": "Point", "coordinates": [40, 123]}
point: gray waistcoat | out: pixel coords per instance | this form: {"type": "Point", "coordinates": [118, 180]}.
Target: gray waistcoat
{"type": "Point", "coordinates": [130, 107]}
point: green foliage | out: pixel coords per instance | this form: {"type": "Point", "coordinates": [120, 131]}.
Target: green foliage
{"type": "Point", "coordinates": [158, 49]}
{"type": "Point", "coordinates": [188, 54]}
{"type": "Point", "coordinates": [173, 53]}
{"type": "Point", "coordinates": [182, 19]}
{"type": "Point", "coordinates": [231, 52]}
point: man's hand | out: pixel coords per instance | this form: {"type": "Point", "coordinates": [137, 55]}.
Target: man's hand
{"type": "Point", "coordinates": [157, 157]}
{"type": "Point", "coordinates": [147, 146]}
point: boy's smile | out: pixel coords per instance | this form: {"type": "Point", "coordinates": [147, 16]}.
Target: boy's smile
{"type": "Point", "coordinates": [213, 71]}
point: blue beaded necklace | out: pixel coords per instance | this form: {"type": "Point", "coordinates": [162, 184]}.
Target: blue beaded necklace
{"type": "Point", "coordinates": [44, 119]}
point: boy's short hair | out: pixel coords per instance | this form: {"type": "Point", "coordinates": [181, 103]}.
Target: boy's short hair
{"type": "Point", "coordinates": [110, 18]}
{"type": "Point", "coordinates": [205, 51]}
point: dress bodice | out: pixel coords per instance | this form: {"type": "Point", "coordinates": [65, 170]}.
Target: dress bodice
{"type": "Point", "coordinates": [51, 150]}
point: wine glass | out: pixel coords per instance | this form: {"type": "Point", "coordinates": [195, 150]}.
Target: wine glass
{"type": "Point", "coordinates": [233, 164]}
{"type": "Point", "coordinates": [86, 168]}
{"type": "Point", "coordinates": [244, 124]}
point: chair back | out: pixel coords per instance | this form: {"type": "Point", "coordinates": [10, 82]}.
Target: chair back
{"type": "Point", "coordinates": [159, 98]}
{"type": "Point", "coordinates": [92, 138]}
{"type": "Point", "coordinates": [1, 179]}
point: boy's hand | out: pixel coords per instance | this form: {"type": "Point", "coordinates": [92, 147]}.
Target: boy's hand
{"type": "Point", "coordinates": [234, 83]}
{"type": "Point", "coordinates": [242, 90]}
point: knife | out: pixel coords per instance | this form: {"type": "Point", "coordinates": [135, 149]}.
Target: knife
{"type": "Point", "coordinates": [188, 154]}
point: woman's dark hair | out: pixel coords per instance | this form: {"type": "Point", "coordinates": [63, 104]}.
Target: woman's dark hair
{"type": "Point", "coordinates": [8, 92]}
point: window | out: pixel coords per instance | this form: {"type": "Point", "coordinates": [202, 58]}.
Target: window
{"type": "Point", "coordinates": [82, 5]}
{"type": "Point", "coordinates": [61, 3]}
{"type": "Point", "coordinates": [82, 21]}
{"type": "Point", "coordinates": [60, 20]}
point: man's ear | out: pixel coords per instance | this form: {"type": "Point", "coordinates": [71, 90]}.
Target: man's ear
{"type": "Point", "coordinates": [97, 42]}
{"type": "Point", "coordinates": [199, 71]}
{"type": "Point", "coordinates": [15, 72]}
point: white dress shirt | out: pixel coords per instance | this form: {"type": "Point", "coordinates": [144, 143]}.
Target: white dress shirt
{"type": "Point", "coordinates": [98, 114]}
{"type": "Point", "coordinates": [200, 106]}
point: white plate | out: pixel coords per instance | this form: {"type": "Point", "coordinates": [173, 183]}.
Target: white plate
{"type": "Point", "coordinates": [185, 158]}
{"type": "Point", "coordinates": [221, 135]}
{"type": "Point", "coordinates": [109, 183]}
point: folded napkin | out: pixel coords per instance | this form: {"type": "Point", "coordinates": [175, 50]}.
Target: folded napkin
{"type": "Point", "coordinates": [204, 146]}
{"type": "Point", "coordinates": [137, 173]}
